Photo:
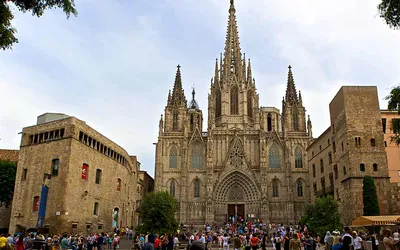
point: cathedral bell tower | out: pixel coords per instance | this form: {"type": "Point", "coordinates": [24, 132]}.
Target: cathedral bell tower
{"type": "Point", "coordinates": [293, 112]}
{"type": "Point", "coordinates": [233, 99]}
{"type": "Point", "coordinates": [175, 111]}
{"type": "Point", "coordinates": [195, 115]}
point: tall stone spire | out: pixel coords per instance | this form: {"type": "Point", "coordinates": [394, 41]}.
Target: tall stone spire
{"type": "Point", "coordinates": [178, 95]}
{"type": "Point", "coordinates": [291, 93]}
{"type": "Point", "coordinates": [232, 55]}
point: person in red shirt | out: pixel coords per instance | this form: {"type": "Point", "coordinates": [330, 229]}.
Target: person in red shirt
{"type": "Point", "coordinates": [157, 242]}
{"type": "Point", "coordinates": [254, 241]}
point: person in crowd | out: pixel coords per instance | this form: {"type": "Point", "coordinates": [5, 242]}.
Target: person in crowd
{"type": "Point", "coordinates": [294, 243]}
{"type": "Point", "coordinates": [225, 241]}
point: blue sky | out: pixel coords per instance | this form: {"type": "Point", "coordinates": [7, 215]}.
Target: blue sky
{"type": "Point", "coordinates": [113, 65]}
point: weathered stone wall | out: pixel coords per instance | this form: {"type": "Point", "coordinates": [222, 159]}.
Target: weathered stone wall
{"type": "Point", "coordinates": [70, 204]}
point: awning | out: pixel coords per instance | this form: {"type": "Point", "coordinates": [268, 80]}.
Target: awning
{"type": "Point", "coordinates": [363, 221]}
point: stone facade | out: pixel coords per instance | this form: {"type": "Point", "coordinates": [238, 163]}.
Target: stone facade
{"type": "Point", "coordinates": [145, 184]}
{"type": "Point", "coordinates": [90, 180]}
{"type": "Point", "coordinates": [352, 147]}
{"type": "Point", "coordinates": [251, 162]}
{"type": "Point", "coordinates": [392, 150]}
{"type": "Point", "coordinates": [5, 211]}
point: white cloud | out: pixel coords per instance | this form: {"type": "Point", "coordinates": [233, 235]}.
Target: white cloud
{"type": "Point", "coordinates": [112, 66]}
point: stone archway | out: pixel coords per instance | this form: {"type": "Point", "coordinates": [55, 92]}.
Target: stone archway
{"type": "Point", "coordinates": [236, 190]}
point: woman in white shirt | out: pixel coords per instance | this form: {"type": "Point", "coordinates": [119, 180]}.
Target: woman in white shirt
{"type": "Point", "coordinates": [225, 241]}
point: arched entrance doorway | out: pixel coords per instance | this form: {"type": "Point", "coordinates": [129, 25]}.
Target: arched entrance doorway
{"type": "Point", "coordinates": [236, 196]}
{"type": "Point", "coordinates": [115, 217]}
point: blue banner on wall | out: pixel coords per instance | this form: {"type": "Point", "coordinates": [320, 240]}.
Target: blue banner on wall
{"type": "Point", "coordinates": [42, 206]}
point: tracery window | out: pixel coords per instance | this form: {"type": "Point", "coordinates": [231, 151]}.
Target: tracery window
{"type": "Point", "coordinates": [295, 120]}
{"type": "Point", "coordinates": [275, 188]}
{"type": "Point", "coordinates": [175, 120]}
{"type": "Point", "coordinates": [197, 155]}
{"type": "Point", "coordinates": [218, 109]}
{"type": "Point", "coordinates": [250, 104]}
{"type": "Point", "coordinates": [234, 101]}
{"type": "Point", "coordinates": [172, 188]}
{"type": "Point", "coordinates": [299, 188]}
{"type": "Point", "coordinates": [298, 159]}
{"type": "Point", "coordinates": [274, 156]}
{"type": "Point", "coordinates": [173, 155]}
{"type": "Point", "coordinates": [196, 188]}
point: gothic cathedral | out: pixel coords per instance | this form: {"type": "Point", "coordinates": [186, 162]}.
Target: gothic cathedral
{"type": "Point", "coordinates": [252, 161]}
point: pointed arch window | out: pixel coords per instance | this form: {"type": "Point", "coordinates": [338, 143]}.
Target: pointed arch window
{"type": "Point", "coordinates": [234, 101]}
{"type": "Point", "coordinates": [250, 104]}
{"type": "Point", "coordinates": [274, 156]}
{"type": "Point", "coordinates": [175, 120]}
{"type": "Point", "coordinates": [295, 120]}
{"type": "Point", "coordinates": [299, 188]}
{"type": "Point", "coordinates": [275, 188]}
{"type": "Point", "coordinates": [172, 188]}
{"type": "Point", "coordinates": [197, 155]}
{"type": "Point", "coordinates": [298, 158]}
{"type": "Point", "coordinates": [173, 157]}
{"type": "Point", "coordinates": [196, 188]}
{"type": "Point", "coordinates": [218, 103]}
{"type": "Point", "coordinates": [269, 122]}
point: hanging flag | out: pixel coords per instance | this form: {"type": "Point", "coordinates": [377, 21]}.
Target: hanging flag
{"type": "Point", "coordinates": [85, 169]}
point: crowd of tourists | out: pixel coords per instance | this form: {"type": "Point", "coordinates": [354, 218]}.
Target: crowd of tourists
{"type": "Point", "coordinates": [254, 236]}
{"type": "Point", "coordinates": [60, 242]}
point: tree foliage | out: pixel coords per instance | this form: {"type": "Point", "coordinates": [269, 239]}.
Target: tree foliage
{"type": "Point", "coordinates": [158, 211]}
{"type": "Point", "coordinates": [370, 198]}
{"type": "Point", "coordinates": [322, 216]}
{"type": "Point", "coordinates": [394, 104]}
{"type": "Point", "coordinates": [390, 11]}
{"type": "Point", "coordinates": [37, 7]}
{"type": "Point", "coordinates": [7, 180]}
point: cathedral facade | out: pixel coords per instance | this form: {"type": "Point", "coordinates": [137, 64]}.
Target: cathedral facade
{"type": "Point", "coordinates": [251, 162]}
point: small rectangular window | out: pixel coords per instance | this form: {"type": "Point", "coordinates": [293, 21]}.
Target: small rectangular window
{"type": "Point", "coordinates": [321, 162]}
{"type": "Point", "coordinates": [74, 225]}
{"type": "Point", "coordinates": [330, 157]}
{"type": "Point", "coordinates": [62, 133]}
{"type": "Point", "coordinates": [85, 171]}
{"type": "Point", "coordinates": [96, 208]}
{"type": "Point", "coordinates": [384, 125]}
{"type": "Point", "coordinates": [334, 147]}
{"type": "Point", "coordinates": [98, 176]}
{"type": "Point", "coordinates": [119, 184]}
{"type": "Point", "coordinates": [385, 144]}
{"type": "Point", "coordinates": [313, 170]}
{"type": "Point", "coordinates": [99, 227]}
{"type": "Point", "coordinates": [24, 174]}
{"type": "Point", "coordinates": [54, 167]}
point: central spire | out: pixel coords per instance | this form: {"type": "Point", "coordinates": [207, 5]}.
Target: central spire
{"type": "Point", "coordinates": [232, 55]}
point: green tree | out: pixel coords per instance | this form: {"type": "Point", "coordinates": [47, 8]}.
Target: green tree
{"type": "Point", "coordinates": [37, 7]}
{"type": "Point", "coordinates": [7, 180]}
{"type": "Point", "coordinates": [370, 198]}
{"type": "Point", "coordinates": [394, 104]}
{"type": "Point", "coordinates": [158, 211]}
{"type": "Point", "coordinates": [390, 11]}
{"type": "Point", "coordinates": [322, 216]}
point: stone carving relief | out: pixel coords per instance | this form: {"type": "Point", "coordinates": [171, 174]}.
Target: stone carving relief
{"type": "Point", "coordinates": [236, 156]}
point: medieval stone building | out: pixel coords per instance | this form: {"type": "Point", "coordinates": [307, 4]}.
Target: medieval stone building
{"type": "Point", "coordinates": [251, 162]}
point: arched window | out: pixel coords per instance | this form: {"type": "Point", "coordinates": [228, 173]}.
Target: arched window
{"type": "Point", "coordinates": [250, 104]}
{"type": "Point", "coordinates": [299, 188]}
{"type": "Point", "coordinates": [218, 109]}
{"type": "Point", "coordinates": [234, 101]}
{"type": "Point", "coordinates": [375, 167]}
{"type": "Point", "coordinates": [275, 188]}
{"type": "Point", "coordinates": [172, 188]}
{"type": "Point", "coordinates": [362, 167]}
{"type": "Point", "coordinates": [373, 144]}
{"type": "Point", "coordinates": [197, 155]}
{"type": "Point", "coordinates": [295, 120]}
{"type": "Point", "coordinates": [175, 120]}
{"type": "Point", "coordinates": [173, 155]}
{"type": "Point", "coordinates": [298, 159]}
{"type": "Point", "coordinates": [269, 122]}
{"type": "Point", "coordinates": [274, 156]}
{"type": "Point", "coordinates": [196, 188]}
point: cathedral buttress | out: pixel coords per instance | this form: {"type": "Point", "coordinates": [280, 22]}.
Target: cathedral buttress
{"type": "Point", "coordinates": [175, 111]}
{"type": "Point", "coordinates": [293, 111]}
